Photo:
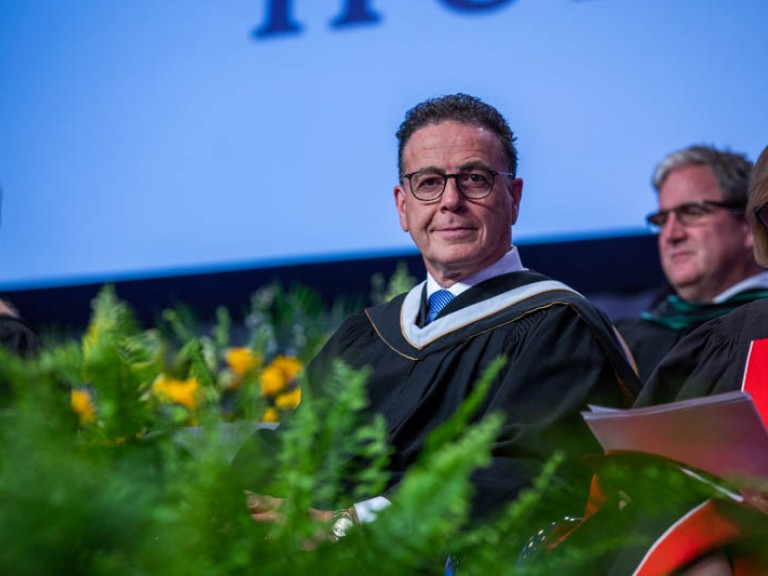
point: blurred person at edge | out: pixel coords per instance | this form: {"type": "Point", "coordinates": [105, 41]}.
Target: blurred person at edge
{"type": "Point", "coordinates": [705, 247]}
{"type": "Point", "coordinates": [15, 334]}
{"type": "Point", "coordinates": [713, 359]}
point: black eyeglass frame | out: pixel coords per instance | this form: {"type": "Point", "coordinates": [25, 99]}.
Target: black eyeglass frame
{"type": "Point", "coordinates": [707, 205]}
{"type": "Point", "coordinates": [455, 176]}
{"type": "Point", "coordinates": [761, 214]}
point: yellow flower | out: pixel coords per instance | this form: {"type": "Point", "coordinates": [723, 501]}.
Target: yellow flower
{"type": "Point", "coordinates": [182, 392]}
{"type": "Point", "coordinates": [288, 365]}
{"type": "Point", "coordinates": [83, 404]}
{"type": "Point", "coordinates": [278, 374]}
{"type": "Point", "coordinates": [289, 400]}
{"type": "Point", "coordinates": [242, 360]}
{"type": "Point", "coordinates": [270, 415]}
{"type": "Point", "coordinates": [272, 381]}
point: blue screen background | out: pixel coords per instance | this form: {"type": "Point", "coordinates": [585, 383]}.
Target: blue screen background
{"type": "Point", "coordinates": [140, 139]}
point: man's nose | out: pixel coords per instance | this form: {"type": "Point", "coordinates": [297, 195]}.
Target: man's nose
{"type": "Point", "coordinates": [673, 228]}
{"type": "Point", "coordinates": [452, 196]}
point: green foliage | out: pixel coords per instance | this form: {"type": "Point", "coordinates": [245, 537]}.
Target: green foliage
{"type": "Point", "coordinates": [130, 452]}
{"type": "Point", "coordinates": [433, 499]}
{"type": "Point", "coordinates": [401, 281]}
{"type": "Point", "coordinates": [331, 442]}
{"type": "Point", "coordinates": [117, 358]}
{"type": "Point", "coordinates": [295, 321]}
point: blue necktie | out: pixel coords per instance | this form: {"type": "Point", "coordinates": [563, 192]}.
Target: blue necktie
{"type": "Point", "coordinates": [437, 302]}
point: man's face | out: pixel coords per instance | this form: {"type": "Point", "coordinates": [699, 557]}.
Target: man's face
{"type": "Point", "coordinates": [457, 236]}
{"type": "Point", "coordinates": [702, 260]}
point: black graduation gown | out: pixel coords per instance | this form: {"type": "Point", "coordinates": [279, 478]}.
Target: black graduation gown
{"type": "Point", "coordinates": [649, 342]}
{"type": "Point", "coordinates": [710, 360]}
{"type": "Point", "coordinates": [656, 332]}
{"type": "Point", "coordinates": [562, 353]}
{"type": "Point", "coordinates": [16, 336]}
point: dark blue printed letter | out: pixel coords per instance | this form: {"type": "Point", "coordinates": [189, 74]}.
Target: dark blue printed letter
{"type": "Point", "coordinates": [278, 20]}
{"type": "Point", "coordinates": [476, 5]}
{"type": "Point", "coordinates": [357, 12]}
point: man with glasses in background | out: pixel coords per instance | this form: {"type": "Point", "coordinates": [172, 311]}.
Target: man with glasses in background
{"type": "Point", "coordinates": [705, 247]}
{"type": "Point", "coordinates": [458, 197]}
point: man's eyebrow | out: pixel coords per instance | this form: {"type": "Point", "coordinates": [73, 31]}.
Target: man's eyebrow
{"type": "Point", "coordinates": [462, 168]}
{"type": "Point", "coordinates": [474, 164]}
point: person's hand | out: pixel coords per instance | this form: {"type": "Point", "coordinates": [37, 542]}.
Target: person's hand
{"type": "Point", "coordinates": [263, 508]}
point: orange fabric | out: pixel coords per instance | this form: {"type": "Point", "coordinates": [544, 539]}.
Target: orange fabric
{"type": "Point", "coordinates": [596, 498]}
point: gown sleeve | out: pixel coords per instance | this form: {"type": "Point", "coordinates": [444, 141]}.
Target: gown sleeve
{"type": "Point", "coordinates": [556, 368]}
{"type": "Point", "coordinates": [709, 360]}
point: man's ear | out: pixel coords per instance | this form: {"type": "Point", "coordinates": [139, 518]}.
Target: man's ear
{"type": "Point", "coordinates": [516, 192]}
{"type": "Point", "coordinates": [749, 236]}
{"type": "Point", "coordinates": [400, 197]}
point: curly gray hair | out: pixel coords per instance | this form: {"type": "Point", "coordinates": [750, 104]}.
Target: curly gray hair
{"type": "Point", "coordinates": [731, 169]}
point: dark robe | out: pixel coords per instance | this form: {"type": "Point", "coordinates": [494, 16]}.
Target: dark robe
{"type": "Point", "coordinates": [655, 332]}
{"type": "Point", "coordinates": [710, 360]}
{"type": "Point", "coordinates": [562, 354]}
{"type": "Point", "coordinates": [16, 336]}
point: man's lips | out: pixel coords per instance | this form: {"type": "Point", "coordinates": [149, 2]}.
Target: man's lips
{"type": "Point", "coordinates": [454, 231]}
{"type": "Point", "coordinates": [679, 254]}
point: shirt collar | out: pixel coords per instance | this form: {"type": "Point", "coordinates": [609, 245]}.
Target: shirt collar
{"type": "Point", "coordinates": [510, 262]}
{"type": "Point", "coordinates": [757, 281]}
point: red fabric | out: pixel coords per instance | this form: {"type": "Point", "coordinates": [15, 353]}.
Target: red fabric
{"type": "Point", "coordinates": [749, 566]}
{"type": "Point", "coordinates": [756, 377]}
{"type": "Point", "coordinates": [710, 526]}
{"type": "Point", "coordinates": [705, 528]}
{"type": "Point", "coordinates": [715, 523]}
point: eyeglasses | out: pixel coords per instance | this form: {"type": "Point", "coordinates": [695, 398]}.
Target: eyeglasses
{"type": "Point", "coordinates": [690, 213]}
{"type": "Point", "coordinates": [475, 184]}
{"type": "Point", "coordinates": [761, 214]}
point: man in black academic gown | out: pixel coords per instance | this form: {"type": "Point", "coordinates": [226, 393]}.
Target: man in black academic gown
{"type": "Point", "coordinates": [458, 196]}
{"type": "Point", "coordinates": [705, 247]}
{"type": "Point", "coordinates": [713, 357]}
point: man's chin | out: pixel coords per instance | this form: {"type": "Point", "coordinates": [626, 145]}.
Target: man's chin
{"type": "Point", "coordinates": [682, 274]}
{"type": "Point", "coordinates": [685, 286]}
